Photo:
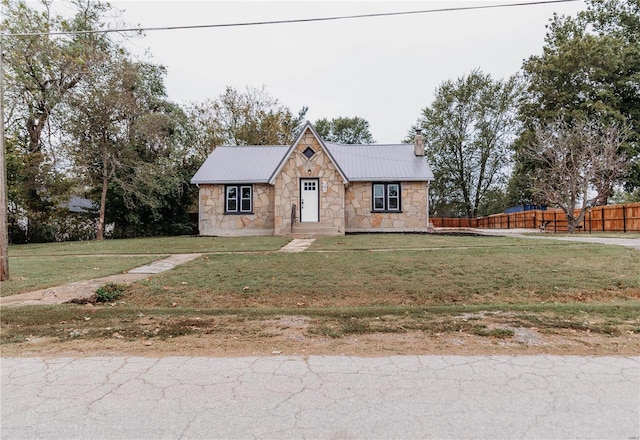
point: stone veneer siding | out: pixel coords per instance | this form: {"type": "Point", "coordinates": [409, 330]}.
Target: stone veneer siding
{"type": "Point", "coordinates": [213, 221]}
{"type": "Point", "coordinates": [287, 187]}
{"type": "Point", "coordinates": [360, 218]}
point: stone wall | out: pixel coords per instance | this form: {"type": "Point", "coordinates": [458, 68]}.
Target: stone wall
{"type": "Point", "coordinates": [213, 221]}
{"type": "Point", "coordinates": [340, 209]}
{"type": "Point", "coordinates": [360, 218]}
{"type": "Point", "coordinates": [287, 186]}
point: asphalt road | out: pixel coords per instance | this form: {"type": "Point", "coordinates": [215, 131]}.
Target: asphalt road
{"type": "Point", "coordinates": [541, 397]}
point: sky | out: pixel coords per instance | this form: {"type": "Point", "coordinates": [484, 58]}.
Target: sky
{"type": "Point", "coordinates": [383, 69]}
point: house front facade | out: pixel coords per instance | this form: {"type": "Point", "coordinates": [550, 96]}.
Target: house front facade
{"type": "Point", "coordinates": [313, 187]}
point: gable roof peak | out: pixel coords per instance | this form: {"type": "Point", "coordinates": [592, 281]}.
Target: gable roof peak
{"type": "Point", "coordinates": [308, 126]}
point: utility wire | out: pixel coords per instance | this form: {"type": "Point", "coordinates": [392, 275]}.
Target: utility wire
{"type": "Point", "coordinates": [300, 20]}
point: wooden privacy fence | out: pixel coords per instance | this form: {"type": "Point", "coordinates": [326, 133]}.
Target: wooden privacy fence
{"type": "Point", "coordinates": [610, 218]}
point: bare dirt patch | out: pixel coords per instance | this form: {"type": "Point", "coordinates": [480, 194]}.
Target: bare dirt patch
{"type": "Point", "coordinates": [299, 335]}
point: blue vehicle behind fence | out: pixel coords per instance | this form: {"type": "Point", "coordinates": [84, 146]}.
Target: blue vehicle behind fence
{"type": "Point", "coordinates": [521, 208]}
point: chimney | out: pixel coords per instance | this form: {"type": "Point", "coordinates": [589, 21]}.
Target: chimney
{"type": "Point", "coordinates": [418, 143]}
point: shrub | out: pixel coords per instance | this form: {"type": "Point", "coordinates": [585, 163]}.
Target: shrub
{"type": "Point", "coordinates": [110, 292]}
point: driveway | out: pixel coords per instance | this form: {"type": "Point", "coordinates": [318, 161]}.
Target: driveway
{"type": "Point", "coordinates": [583, 238]}
{"type": "Point", "coordinates": [499, 397]}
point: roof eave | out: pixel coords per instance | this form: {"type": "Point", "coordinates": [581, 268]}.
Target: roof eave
{"type": "Point", "coordinates": [227, 182]}
{"type": "Point", "coordinates": [392, 179]}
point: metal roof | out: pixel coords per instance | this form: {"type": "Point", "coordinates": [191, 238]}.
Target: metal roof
{"type": "Point", "coordinates": [241, 164]}
{"type": "Point", "coordinates": [261, 164]}
{"type": "Point", "coordinates": [382, 162]}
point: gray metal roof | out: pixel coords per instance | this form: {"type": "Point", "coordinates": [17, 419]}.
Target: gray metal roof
{"type": "Point", "coordinates": [242, 164]}
{"type": "Point", "coordinates": [381, 162]}
{"type": "Point", "coordinates": [261, 164]}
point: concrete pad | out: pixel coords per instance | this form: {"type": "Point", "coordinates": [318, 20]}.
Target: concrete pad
{"type": "Point", "coordinates": [297, 245]}
{"type": "Point", "coordinates": [165, 264]}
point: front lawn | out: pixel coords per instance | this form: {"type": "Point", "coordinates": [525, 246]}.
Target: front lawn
{"type": "Point", "coordinates": [399, 293]}
{"type": "Point", "coordinates": [38, 266]}
{"type": "Point", "coordinates": [153, 245]}
{"type": "Point", "coordinates": [34, 273]}
{"type": "Point", "coordinates": [483, 271]}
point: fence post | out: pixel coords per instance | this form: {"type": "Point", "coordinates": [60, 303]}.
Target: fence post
{"type": "Point", "coordinates": [555, 222]}
{"type": "Point", "coordinates": [589, 221]}
{"type": "Point", "coordinates": [624, 218]}
{"type": "Point", "coordinates": [602, 211]}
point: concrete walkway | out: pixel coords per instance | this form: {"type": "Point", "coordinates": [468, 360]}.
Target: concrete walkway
{"type": "Point", "coordinates": [84, 289]}
{"type": "Point", "coordinates": [297, 245]}
{"type": "Point", "coordinates": [408, 397]}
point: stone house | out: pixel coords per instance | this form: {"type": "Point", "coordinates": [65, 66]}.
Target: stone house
{"type": "Point", "coordinates": [313, 187]}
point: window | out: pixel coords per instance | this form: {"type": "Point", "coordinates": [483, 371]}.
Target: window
{"type": "Point", "coordinates": [386, 197]}
{"type": "Point", "coordinates": [238, 199]}
{"type": "Point", "coordinates": [308, 152]}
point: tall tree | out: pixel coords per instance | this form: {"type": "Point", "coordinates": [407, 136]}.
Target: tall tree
{"type": "Point", "coordinates": [120, 134]}
{"type": "Point", "coordinates": [40, 72]}
{"type": "Point", "coordinates": [250, 118]}
{"type": "Point", "coordinates": [469, 129]}
{"type": "Point", "coordinates": [589, 69]}
{"type": "Point", "coordinates": [345, 130]}
{"type": "Point", "coordinates": [574, 163]}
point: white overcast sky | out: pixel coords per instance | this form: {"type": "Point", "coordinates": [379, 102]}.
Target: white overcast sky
{"type": "Point", "coordinates": [383, 69]}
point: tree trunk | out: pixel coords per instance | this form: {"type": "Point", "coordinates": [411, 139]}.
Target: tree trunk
{"type": "Point", "coordinates": [4, 225]}
{"type": "Point", "coordinates": [103, 205]}
{"type": "Point", "coordinates": [572, 223]}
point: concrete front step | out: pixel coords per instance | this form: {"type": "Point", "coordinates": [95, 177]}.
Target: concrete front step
{"type": "Point", "coordinates": [314, 230]}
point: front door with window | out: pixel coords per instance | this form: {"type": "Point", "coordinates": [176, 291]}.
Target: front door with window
{"type": "Point", "coordinates": [309, 200]}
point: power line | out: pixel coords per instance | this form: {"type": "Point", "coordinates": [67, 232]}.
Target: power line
{"type": "Point", "coordinates": [291, 21]}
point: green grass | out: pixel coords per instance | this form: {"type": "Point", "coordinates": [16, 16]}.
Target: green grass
{"type": "Point", "coordinates": [432, 284]}
{"type": "Point", "coordinates": [408, 241]}
{"type": "Point", "coordinates": [34, 273]}
{"type": "Point", "coordinates": [529, 273]}
{"type": "Point", "coordinates": [38, 266]}
{"type": "Point", "coordinates": [155, 245]}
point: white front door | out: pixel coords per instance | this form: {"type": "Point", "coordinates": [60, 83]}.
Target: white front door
{"type": "Point", "coordinates": [309, 200]}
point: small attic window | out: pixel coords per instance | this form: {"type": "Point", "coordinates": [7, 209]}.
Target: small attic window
{"type": "Point", "coordinates": [308, 152]}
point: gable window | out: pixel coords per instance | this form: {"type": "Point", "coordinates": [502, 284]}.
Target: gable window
{"type": "Point", "coordinates": [386, 197]}
{"type": "Point", "coordinates": [308, 152]}
{"type": "Point", "coordinates": [238, 199]}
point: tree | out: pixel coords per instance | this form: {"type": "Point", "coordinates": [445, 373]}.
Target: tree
{"type": "Point", "coordinates": [120, 135]}
{"type": "Point", "coordinates": [575, 162]}
{"type": "Point", "coordinates": [468, 130]}
{"type": "Point", "coordinates": [250, 118]}
{"type": "Point", "coordinates": [589, 69]}
{"type": "Point", "coordinates": [40, 72]}
{"type": "Point", "coordinates": [345, 130]}
{"type": "Point", "coordinates": [169, 197]}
